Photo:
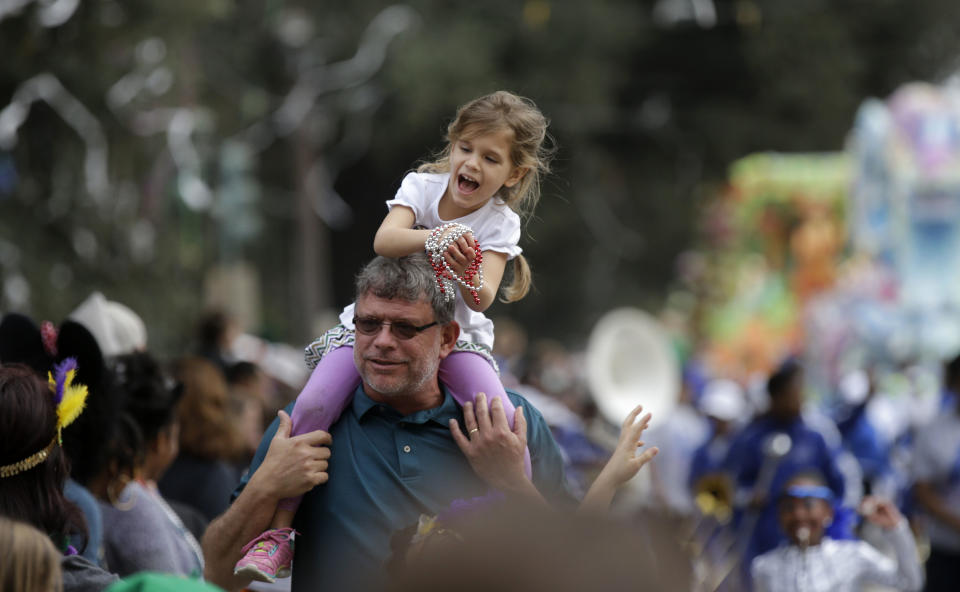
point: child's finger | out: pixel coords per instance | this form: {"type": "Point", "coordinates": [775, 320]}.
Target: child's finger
{"type": "Point", "coordinates": [646, 456]}
{"type": "Point", "coordinates": [644, 423]}
{"type": "Point", "coordinates": [628, 420]}
{"type": "Point", "coordinates": [455, 258]}
{"type": "Point", "coordinates": [637, 428]}
{"type": "Point", "coordinates": [646, 418]}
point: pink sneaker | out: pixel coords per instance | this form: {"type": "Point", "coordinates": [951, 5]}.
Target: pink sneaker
{"type": "Point", "coordinates": [268, 556]}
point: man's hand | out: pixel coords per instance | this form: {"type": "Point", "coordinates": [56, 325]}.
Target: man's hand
{"type": "Point", "coordinates": [293, 466]}
{"type": "Point", "coordinates": [881, 512]}
{"type": "Point", "coordinates": [495, 452]}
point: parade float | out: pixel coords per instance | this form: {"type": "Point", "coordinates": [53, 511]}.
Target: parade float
{"type": "Point", "coordinates": [849, 259]}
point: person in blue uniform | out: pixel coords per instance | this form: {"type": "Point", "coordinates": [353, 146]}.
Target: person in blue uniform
{"type": "Point", "coordinates": [761, 459]}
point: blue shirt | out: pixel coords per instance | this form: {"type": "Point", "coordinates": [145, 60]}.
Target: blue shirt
{"type": "Point", "coordinates": [385, 470]}
{"type": "Point", "coordinates": [745, 459]}
{"type": "Point", "coordinates": [81, 496]}
{"type": "Point", "coordinates": [864, 442]}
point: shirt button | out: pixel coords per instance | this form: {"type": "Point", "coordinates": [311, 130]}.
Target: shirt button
{"type": "Point", "coordinates": [406, 448]}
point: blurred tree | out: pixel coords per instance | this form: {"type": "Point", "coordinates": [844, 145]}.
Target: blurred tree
{"type": "Point", "coordinates": [272, 131]}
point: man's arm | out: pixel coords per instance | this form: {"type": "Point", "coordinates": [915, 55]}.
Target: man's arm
{"type": "Point", "coordinates": [291, 467]}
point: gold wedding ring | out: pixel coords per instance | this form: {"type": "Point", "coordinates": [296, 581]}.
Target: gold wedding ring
{"type": "Point", "coordinates": [470, 433]}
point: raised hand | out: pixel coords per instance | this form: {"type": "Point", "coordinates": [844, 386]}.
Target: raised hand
{"type": "Point", "coordinates": [623, 465]}
{"type": "Point", "coordinates": [880, 512]}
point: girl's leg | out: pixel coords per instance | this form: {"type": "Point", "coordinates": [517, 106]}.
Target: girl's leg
{"type": "Point", "coordinates": [468, 373]}
{"type": "Point", "coordinates": [326, 394]}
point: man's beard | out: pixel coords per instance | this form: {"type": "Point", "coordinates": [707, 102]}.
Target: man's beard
{"type": "Point", "coordinates": [395, 386]}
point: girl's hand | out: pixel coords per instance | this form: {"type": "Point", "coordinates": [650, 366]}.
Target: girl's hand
{"type": "Point", "coordinates": [624, 463]}
{"type": "Point", "coordinates": [461, 253]}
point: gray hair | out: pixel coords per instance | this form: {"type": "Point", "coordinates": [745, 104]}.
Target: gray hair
{"type": "Point", "coordinates": [408, 278]}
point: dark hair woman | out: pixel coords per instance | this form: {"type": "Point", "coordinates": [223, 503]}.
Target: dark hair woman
{"type": "Point", "coordinates": [141, 531]}
{"type": "Point", "coordinates": [33, 467]}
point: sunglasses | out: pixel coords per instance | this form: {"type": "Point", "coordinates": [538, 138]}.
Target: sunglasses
{"type": "Point", "coordinates": [400, 329]}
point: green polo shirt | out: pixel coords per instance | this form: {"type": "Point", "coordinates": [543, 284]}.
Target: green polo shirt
{"type": "Point", "coordinates": [385, 470]}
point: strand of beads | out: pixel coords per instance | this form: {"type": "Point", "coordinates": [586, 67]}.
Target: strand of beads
{"type": "Point", "coordinates": [436, 246]}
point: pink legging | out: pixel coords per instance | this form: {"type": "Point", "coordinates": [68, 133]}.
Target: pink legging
{"type": "Point", "coordinates": [332, 383]}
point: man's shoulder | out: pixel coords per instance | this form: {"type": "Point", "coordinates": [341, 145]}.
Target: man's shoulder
{"type": "Point", "coordinates": [515, 396]}
{"type": "Point", "coordinates": [519, 400]}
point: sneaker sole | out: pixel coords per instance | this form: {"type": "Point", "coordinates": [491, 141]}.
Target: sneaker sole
{"type": "Point", "coordinates": [255, 573]}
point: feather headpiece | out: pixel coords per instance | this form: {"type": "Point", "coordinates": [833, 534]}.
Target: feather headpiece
{"type": "Point", "coordinates": [69, 399]}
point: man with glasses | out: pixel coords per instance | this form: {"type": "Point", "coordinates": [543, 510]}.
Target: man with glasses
{"type": "Point", "coordinates": [392, 454]}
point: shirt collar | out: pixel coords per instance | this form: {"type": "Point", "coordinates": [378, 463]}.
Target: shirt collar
{"type": "Point", "coordinates": [448, 409]}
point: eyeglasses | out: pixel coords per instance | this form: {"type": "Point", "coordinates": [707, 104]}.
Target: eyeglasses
{"type": "Point", "coordinates": [400, 330]}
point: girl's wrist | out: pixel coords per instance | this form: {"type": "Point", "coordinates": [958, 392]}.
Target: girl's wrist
{"type": "Point", "coordinates": [607, 477]}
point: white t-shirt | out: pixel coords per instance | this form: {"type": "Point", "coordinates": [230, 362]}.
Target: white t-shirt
{"type": "Point", "coordinates": [934, 459]}
{"type": "Point", "coordinates": [840, 566]}
{"type": "Point", "coordinates": [495, 226]}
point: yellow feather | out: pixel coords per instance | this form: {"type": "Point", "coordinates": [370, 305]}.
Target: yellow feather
{"type": "Point", "coordinates": [51, 382]}
{"type": "Point", "coordinates": [74, 399]}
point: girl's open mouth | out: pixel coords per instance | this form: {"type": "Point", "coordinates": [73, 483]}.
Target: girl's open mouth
{"type": "Point", "coordinates": [466, 185]}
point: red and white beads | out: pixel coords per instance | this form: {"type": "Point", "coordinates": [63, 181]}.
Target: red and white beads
{"type": "Point", "coordinates": [436, 246]}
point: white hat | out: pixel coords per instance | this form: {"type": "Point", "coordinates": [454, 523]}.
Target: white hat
{"type": "Point", "coordinates": [723, 399]}
{"type": "Point", "coordinates": [854, 387]}
{"type": "Point", "coordinates": [117, 329]}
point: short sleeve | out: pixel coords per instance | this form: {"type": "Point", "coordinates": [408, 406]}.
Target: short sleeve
{"type": "Point", "coordinates": [411, 194]}
{"type": "Point", "coordinates": [500, 231]}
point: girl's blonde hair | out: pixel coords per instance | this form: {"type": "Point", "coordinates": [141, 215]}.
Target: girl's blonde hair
{"type": "Point", "coordinates": [30, 561]}
{"type": "Point", "coordinates": [489, 114]}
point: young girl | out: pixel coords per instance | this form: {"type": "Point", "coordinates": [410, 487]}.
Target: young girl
{"type": "Point", "coordinates": [463, 209]}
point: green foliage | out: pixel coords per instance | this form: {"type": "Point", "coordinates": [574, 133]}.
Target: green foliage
{"type": "Point", "coordinates": [647, 117]}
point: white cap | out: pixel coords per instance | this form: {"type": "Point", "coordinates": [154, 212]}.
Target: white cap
{"type": "Point", "coordinates": [854, 387]}
{"type": "Point", "coordinates": [723, 399]}
{"type": "Point", "coordinates": [117, 329]}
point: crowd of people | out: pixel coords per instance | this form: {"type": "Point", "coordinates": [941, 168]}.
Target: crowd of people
{"type": "Point", "coordinates": [152, 475]}
{"type": "Point", "coordinates": [418, 455]}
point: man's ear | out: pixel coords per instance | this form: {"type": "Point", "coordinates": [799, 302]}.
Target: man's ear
{"type": "Point", "coordinates": [515, 176]}
{"type": "Point", "coordinates": [449, 334]}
